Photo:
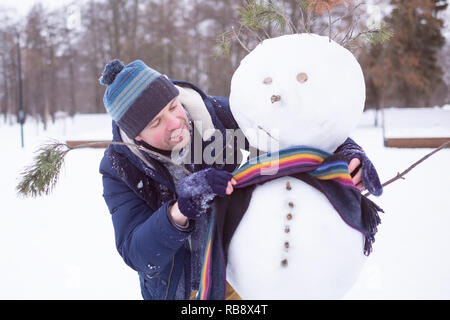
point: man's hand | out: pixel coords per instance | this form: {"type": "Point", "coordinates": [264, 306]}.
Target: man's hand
{"type": "Point", "coordinates": [220, 181]}
{"type": "Point", "coordinates": [355, 170]}
{"type": "Point", "coordinates": [361, 169]}
{"type": "Point", "coordinates": [177, 216]}
{"type": "Point", "coordinates": [230, 185]}
{"type": "Point", "coordinates": [196, 191]}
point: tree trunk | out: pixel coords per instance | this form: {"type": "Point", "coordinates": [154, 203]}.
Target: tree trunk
{"type": "Point", "coordinates": [116, 28]}
{"type": "Point", "coordinates": [5, 101]}
{"type": "Point", "coordinates": [383, 119]}
{"type": "Point", "coordinates": [72, 87]}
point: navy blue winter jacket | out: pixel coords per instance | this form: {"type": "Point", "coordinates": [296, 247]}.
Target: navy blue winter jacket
{"type": "Point", "coordinates": [138, 198]}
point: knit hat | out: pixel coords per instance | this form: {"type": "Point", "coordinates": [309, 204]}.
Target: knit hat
{"type": "Point", "coordinates": [135, 94]}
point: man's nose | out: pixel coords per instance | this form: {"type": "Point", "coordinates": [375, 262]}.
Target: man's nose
{"type": "Point", "coordinates": [172, 122]}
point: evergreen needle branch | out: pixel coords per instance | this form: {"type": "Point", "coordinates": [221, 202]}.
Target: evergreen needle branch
{"type": "Point", "coordinates": [344, 43]}
{"type": "Point", "coordinates": [42, 175]}
{"type": "Point", "coordinates": [265, 33]}
{"type": "Point", "coordinates": [400, 175]}
{"type": "Point", "coordinates": [239, 40]}
{"type": "Point", "coordinates": [329, 24]}
{"type": "Point", "coordinates": [303, 19]}
{"type": "Point", "coordinates": [256, 34]}
{"type": "Point", "coordinates": [286, 19]}
{"type": "Point", "coordinates": [348, 34]}
{"type": "Point", "coordinates": [375, 36]}
{"type": "Point", "coordinates": [349, 14]}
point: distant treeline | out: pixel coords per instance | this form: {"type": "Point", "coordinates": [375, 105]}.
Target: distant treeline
{"type": "Point", "coordinates": [63, 51]}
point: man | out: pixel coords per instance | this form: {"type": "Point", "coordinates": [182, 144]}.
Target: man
{"type": "Point", "coordinates": [160, 211]}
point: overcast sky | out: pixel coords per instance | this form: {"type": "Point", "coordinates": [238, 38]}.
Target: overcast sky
{"type": "Point", "coordinates": [22, 7]}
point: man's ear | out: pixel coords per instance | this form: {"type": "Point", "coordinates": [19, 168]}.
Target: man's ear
{"type": "Point", "coordinates": [138, 138]}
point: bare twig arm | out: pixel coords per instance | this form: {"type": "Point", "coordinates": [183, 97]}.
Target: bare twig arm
{"type": "Point", "coordinates": [400, 175]}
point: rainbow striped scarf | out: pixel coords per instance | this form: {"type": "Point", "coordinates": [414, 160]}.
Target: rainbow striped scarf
{"type": "Point", "coordinates": [317, 163]}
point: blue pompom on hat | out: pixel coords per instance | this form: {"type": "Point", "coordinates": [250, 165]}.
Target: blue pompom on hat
{"type": "Point", "coordinates": [111, 71]}
{"type": "Point", "coordinates": [135, 94]}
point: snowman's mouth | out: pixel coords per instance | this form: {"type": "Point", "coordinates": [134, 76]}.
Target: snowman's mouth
{"type": "Point", "coordinates": [267, 132]}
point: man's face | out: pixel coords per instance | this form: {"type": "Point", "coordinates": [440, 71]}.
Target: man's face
{"type": "Point", "coordinates": [169, 129]}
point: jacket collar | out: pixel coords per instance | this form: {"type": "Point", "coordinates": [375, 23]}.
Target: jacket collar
{"type": "Point", "coordinates": [151, 168]}
{"type": "Point", "coordinates": [202, 111]}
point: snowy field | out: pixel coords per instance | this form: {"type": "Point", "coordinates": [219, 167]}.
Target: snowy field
{"type": "Point", "coordinates": [61, 246]}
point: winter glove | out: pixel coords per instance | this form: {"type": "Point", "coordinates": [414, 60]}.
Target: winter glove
{"type": "Point", "coordinates": [349, 150]}
{"type": "Point", "coordinates": [196, 191]}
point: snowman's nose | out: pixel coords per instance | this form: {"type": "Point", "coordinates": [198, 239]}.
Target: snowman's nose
{"type": "Point", "coordinates": [275, 98]}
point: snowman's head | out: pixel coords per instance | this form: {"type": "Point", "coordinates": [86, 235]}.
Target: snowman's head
{"type": "Point", "coordinates": [297, 89]}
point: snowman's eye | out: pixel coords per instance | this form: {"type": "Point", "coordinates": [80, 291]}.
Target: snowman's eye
{"type": "Point", "coordinates": [302, 77]}
{"type": "Point", "coordinates": [267, 80]}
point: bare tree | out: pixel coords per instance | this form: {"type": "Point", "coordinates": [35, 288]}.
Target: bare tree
{"type": "Point", "coordinates": [61, 67]}
{"type": "Point", "coordinates": [33, 64]}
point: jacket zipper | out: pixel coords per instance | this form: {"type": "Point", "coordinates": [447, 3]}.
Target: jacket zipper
{"type": "Point", "coordinates": [170, 277]}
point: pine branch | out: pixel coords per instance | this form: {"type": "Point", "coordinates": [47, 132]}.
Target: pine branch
{"type": "Point", "coordinates": [350, 13]}
{"type": "Point", "coordinates": [256, 34]}
{"type": "Point", "coordinates": [303, 5]}
{"type": "Point", "coordinates": [400, 175]}
{"type": "Point", "coordinates": [348, 35]}
{"type": "Point", "coordinates": [255, 16]}
{"type": "Point", "coordinates": [374, 36]}
{"type": "Point", "coordinates": [239, 40]}
{"type": "Point", "coordinates": [41, 177]}
{"type": "Point", "coordinates": [380, 35]}
{"type": "Point", "coordinates": [329, 24]}
{"type": "Point", "coordinates": [223, 44]}
{"type": "Point", "coordinates": [281, 18]}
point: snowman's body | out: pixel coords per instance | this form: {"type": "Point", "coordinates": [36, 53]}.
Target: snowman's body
{"type": "Point", "coordinates": [291, 242]}
{"type": "Point", "coordinates": [299, 248]}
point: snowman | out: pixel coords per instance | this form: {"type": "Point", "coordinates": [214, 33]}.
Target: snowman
{"type": "Point", "coordinates": [295, 90]}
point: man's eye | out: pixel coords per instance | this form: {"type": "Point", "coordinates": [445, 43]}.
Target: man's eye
{"type": "Point", "coordinates": [154, 124]}
{"type": "Point", "coordinates": [173, 107]}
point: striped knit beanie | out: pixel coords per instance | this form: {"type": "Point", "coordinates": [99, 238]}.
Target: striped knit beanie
{"type": "Point", "coordinates": [135, 94]}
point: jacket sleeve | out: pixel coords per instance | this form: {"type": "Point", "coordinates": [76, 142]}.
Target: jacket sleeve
{"type": "Point", "coordinates": [145, 237]}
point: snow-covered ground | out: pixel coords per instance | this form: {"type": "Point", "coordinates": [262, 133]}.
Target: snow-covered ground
{"type": "Point", "coordinates": [61, 246]}
{"type": "Point", "coordinates": [417, 122]}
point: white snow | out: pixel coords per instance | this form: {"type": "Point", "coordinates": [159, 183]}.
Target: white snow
{"type": "Point", "coordinates": [410, 259]}
{"type": "Point", "coordinates": [421, 120]}
{"type": "Point", "coordinates": [59, 246]}
{"type": "Point", "coordinates": [62, 246]}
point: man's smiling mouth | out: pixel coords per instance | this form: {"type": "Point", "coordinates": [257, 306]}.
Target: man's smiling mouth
{"type": "Point", "coordinates": [177, 134]}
